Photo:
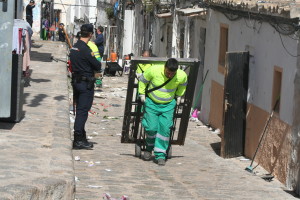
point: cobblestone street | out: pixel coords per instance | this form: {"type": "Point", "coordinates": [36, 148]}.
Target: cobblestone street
{"type": "Point", "coordinates": [196, 171]}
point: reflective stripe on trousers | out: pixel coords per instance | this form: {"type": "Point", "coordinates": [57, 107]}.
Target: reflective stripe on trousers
{"type": "Point", "coordinates": [157, 121]}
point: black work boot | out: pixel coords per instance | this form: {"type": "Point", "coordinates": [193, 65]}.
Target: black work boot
{"type": "Point", "coordinates": [81, 143]}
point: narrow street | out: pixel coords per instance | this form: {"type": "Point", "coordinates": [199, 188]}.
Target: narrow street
{"type": "Point", "coordinates": [196, 171]}
{"type": "Point", "coordinates": [42, 140]}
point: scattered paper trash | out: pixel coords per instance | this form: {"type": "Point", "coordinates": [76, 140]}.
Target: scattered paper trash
{"type": "Point", "coordinates": [72, 119]}
{"type": "Point", "coordinates": [94, 186]}
{"type": "Point", "coordinates": [217, 131]}
{"type": "Point", "coordinates": [89, 137]}
{"type": "Point", "coordinates": [99, 95]}
{"type": "Point", "coordinates": [97, 162]}
{"type": "Point", "coordinates": [179, 163]}
{"type": "Point", "coordinates": [108, 170]}
{"type": "Point", "coordinates": [77, 158]}
{"type": "Point", "coordinates": [119, 134]}
{"type": "Point", "coordinates": [95, 133]}
{"type": "Point", "coordinates": [76, 179]}
{"type": "Point", "coordinates": [244, 159]}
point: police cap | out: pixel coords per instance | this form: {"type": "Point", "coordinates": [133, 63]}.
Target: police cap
{"type": "Point", "coordinates": [87, 28]}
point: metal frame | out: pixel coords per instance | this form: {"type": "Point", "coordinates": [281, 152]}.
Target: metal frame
{"type": "Point", "coordinates": [132, 132]}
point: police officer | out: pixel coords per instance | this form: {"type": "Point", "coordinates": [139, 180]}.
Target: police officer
{"type": "Point", "coordinates": [29, 7]}
{"type": "Point", "coordinates": [84, 64]}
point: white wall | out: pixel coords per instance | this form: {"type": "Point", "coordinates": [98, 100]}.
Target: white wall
{"type": "Point", "coordinates": [128, 32]}
{"type": "Point", "coordinates": [267, 51]}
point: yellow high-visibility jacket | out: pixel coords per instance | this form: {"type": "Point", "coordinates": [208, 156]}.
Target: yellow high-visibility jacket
{"type": "Point", "coordinates": [155, 76]}
{"type": "Point", "coordinates": [141, 68]}
{"type": "Point", "coordinates": [95, 50]}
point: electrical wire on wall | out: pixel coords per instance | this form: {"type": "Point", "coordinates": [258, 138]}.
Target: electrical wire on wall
{"type": "Point", "coordinates": [64, 4]}
{"type": "Point", "coordinates": [286, 48]}
{"type": "Point", "coordinates": [284, 26]}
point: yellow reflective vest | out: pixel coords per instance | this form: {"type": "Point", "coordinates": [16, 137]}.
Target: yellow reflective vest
{"type": "Point", "coordinates": [141, 68]}
{"type": "Point", "coordinates": [95, 50]}
{"type": "Point", "coordinates": [155, 76]}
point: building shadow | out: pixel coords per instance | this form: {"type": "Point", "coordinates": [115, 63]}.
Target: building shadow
{"type": "Point", "coordinates": [6, 126]}
{"type": "Point", "coordinates": [33, 45]}
{"type": "Point", "coordinates": [40, 80]}
{"type": "Point", "coordinates": [293, 193]}
{"type": "Point", "coordinates": [42, 57]}
{"type": "Point", "coordinates": [60, 98]}
{"type": "Point", "coordinates": [37, 100]}
{"type": "Point", "coordinates": [216, 147]}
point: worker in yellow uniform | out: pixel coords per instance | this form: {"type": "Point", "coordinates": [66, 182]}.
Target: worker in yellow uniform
{"type": "Point", "coordinates": [95, 51]}
{"type": "Point", "coordinates": [166, 85]}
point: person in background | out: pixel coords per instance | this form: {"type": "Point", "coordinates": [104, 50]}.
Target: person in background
{"type": "Point", "coordinates": [84, 63]}
{"type": "Point", "coordinates": [166, 84]}
{"type": "Point", "coordinates": [142, 67]}
{"type": "Point", "coordinates": [61, 33]}
{"type": "Point", "coordinates": [29, 16]}
{"type": "Point", "coordinates": [100, 40]}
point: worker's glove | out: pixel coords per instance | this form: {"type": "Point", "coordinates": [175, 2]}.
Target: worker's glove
{"type": "Point", "coordinates": [178, 100]}
{"type": "Point", "coordinates": [142, 98]}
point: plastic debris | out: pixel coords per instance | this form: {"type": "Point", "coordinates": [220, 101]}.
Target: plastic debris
{"type": "Point", "coordinates": [107, 117]}
{"type": "Point", "coordinates": [192, 119]}
{"type": "Point", "coordinates": [107, 196]}
{"type": "Point", "coordinates": [91, 163]}
{"type": "Point", "coordinates": [115, 105]}
{"type": "Point", "coordinates": [77, 158]}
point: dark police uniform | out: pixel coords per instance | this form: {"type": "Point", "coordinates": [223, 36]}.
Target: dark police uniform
{"type": "Point", "coordinates": [84, 64]}
{"type": "Point", "coordinates": [29, 17]}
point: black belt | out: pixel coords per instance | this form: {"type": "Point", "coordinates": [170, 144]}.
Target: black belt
{"type": "Point", "coordinates": [83, 78]}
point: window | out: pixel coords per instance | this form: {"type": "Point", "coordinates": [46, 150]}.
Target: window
{"type": "Point", "coordinates": [277, 79]}
{"type": "Point", "coordinates": [223, 48]}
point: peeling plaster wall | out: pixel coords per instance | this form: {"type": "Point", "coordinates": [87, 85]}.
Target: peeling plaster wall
{"type": "Point", "coordinates": [294, 165]}
{"type": "Point", "coordinates": [275, 151]}
{"type": "Point", "coordinates": [266, 51]}
{"type": "Point", "coordinates": [279, 152]}
{"type": "Point", "coordinates": [160, 35]}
